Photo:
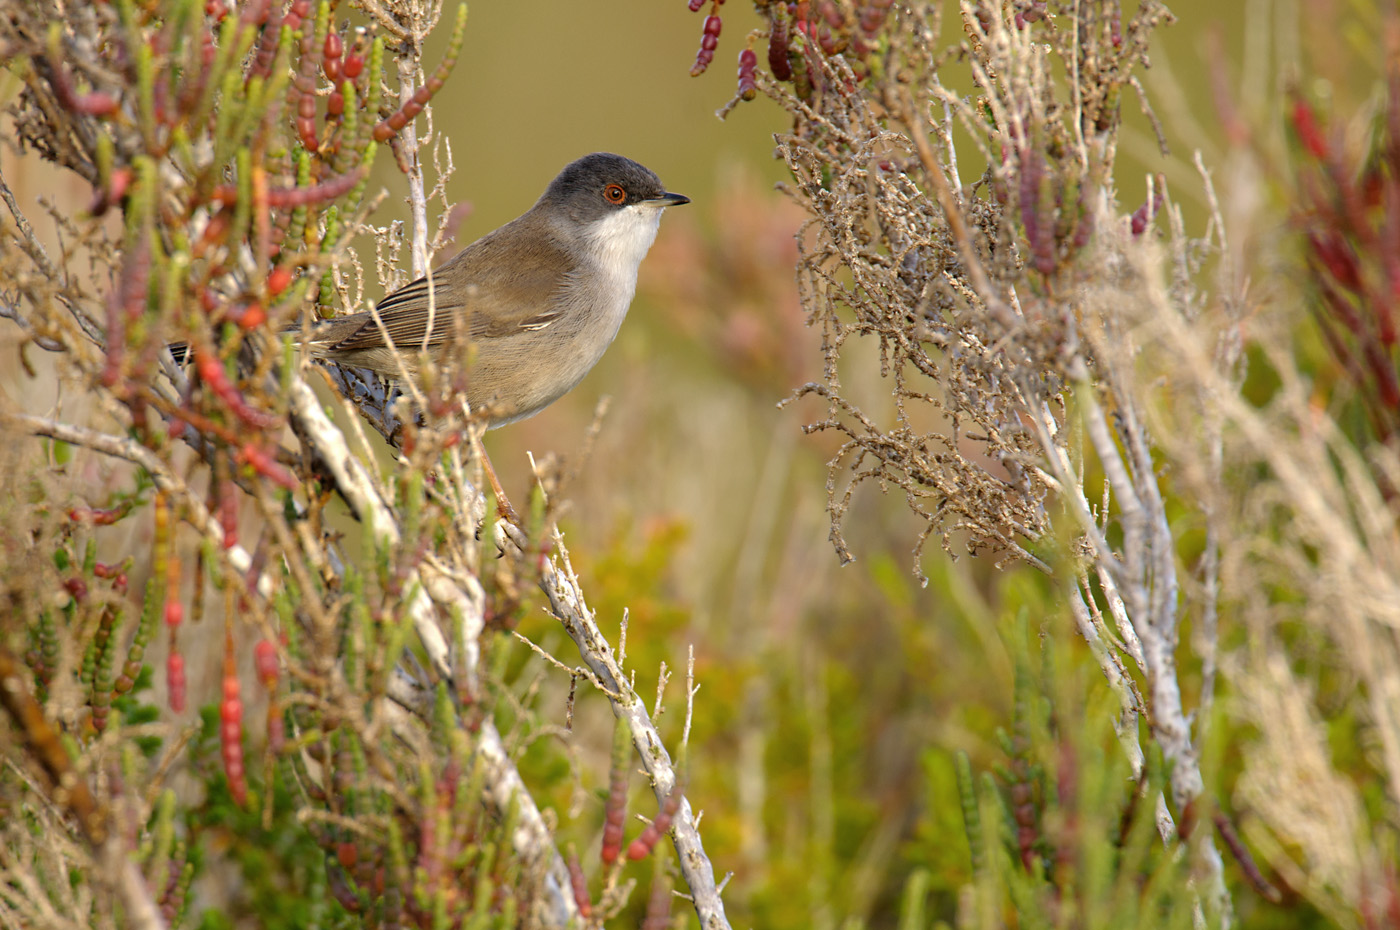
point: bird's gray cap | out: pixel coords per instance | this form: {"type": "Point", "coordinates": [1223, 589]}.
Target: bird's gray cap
{"type": "Point", "coordinates": [582, 188]}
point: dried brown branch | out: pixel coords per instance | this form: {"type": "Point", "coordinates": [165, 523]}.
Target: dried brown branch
{"type": "Point", "coordinates": [1005, 318]}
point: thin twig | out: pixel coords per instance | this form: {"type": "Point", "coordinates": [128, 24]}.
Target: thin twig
{"type": "Point", "coordinates": [567, 603]}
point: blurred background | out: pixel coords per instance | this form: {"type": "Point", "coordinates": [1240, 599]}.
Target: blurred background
{"type": "Point", "coordinates": [832, 698]}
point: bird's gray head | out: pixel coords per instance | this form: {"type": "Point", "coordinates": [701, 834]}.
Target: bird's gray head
{"type": "Point", "coordinates": [611, 204]}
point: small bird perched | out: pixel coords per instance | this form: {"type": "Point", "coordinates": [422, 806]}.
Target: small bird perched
{"type": "Point", "coordinates": [530, 308]}
{"type": "Point", "coordinates": [527, 310]}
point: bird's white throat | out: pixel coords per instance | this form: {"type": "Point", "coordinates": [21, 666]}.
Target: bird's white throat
{"type": "Point", "coordinates": [621, 239]}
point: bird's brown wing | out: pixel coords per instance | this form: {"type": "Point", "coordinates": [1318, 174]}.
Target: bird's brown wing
{"type": "Point", "coordinates": [505, 283]}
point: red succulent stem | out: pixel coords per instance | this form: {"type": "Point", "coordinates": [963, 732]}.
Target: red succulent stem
{"type": "Point", "coordinates": [391, 126]}
{"type": "Point", "coordinates": [125, 304]}
{"type": "Point", "coordinates": [615, 811]}
{"type": "Point", "coordinates": [1144, 214]}
{"type": "Point", "coordinates": [231, 724]}
{"type": "Point", "coordinates": [99, 516]}
{"type": "Point", "coordinates": [748, 78]}
{"type": "Point", "coordinates": [166, 563]}
{"type": "Point", "coordinates": [211, 372]}
{"type": "Point", "coordinates": [658, 915]}
{"type": "Point", "coordinates": [1309, 132]}
{"type": "Point", "coordinates": [332, 57]}
{"type": "Point", "coordinates": [291, 197]}
{"type": "Point", "coordinates": [304, 86]}
{"type": "Point", "coordinates": [228, 511]}
{"type": "Point", "coordinates": [269, 669]}
{"type": "Point", "coordinates": [642, 846]}
{"type": "Point", "coordinates": [268, 41]}
{"type": "Point", "coordinates": [778, 62]}
{"type": "Point", "coordinates": [578, 883]}
{"type": "Point", "coordinates": [93, 103]}
{"type": "Point", "coordinates": [265, 464]}
{"type": "Point", "coordinates": [1383, 371]}
{"type": "Point", "coordinates": [709, 41]}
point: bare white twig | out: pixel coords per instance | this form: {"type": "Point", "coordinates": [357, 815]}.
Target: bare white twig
{"type": "Point", "coordinates": [662, 677]}
{"type": "Point", "coordinates": [567, 603]}
{"type": "Point", "coordinates": [691, 689]}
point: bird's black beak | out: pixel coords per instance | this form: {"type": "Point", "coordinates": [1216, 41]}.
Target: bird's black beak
{"type": "Point", "coordinates": [667, 200]}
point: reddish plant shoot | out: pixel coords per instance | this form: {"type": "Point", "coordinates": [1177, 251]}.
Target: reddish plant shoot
{"type": "Point", "coordinates": [263, 462]}
{"type": "Point", "coordinates": [1309, 132]}
{"type": "Point", "coordinates": [175, 680]}
{"type": "Point", "coordinates": [658, 916]}
{"type": "Point", "coordinates": [331, 57]}
{"type": "Point", "coordinates": [279, 280]}
{"type": "Point", "coordinates": [248, 316]}
{"type": "Point", "coordinates": [112, 192]}
{"type": "Point", "coordinates": [231, 727]}
{"type": "Point", "coordinates": [615, 811]}
{"type": "Point", "coordinates": [642, 846]}
{"type": "Point", "coordinates": [578, 883]}
{"type": "Point", "coordinates": [291, 197]}
{"type": "Point", "coordinates": [778, 62]}
{"type": "Point", "coordinates": [266, 663]}
{"type": "Point", "coordinates": [304, 88]}
{"type": "Point", "coordinates": [125, 304]}
{"type": "Point", "coordinates": [709, 41]}
{"type": "Point", "coordinates": [394, 124]}
{"type": "Point", "coordinates": [268, 668]}
{"type": "Point", "coordinates": [748, 82]}
{"type": "Point", "coordinates": [1348, 213]}
{"type": "Point", "coordinates": [1144, 214]}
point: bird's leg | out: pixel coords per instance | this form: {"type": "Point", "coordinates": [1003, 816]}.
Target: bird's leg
{"type": "Point", "coordinates": [503, 508]}
{"type": "Point", "coordinates": [509, 528]}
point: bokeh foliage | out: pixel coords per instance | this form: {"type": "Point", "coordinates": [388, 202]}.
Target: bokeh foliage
{"type": "Point", "coordinates": [868, 752]}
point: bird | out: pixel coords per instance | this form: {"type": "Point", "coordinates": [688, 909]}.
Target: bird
{"type": "Point", "coordinates": [527, 309]}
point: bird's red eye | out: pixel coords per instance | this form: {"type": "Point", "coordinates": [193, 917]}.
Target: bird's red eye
{"type": "Point", "coordinates": [614, 193]}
